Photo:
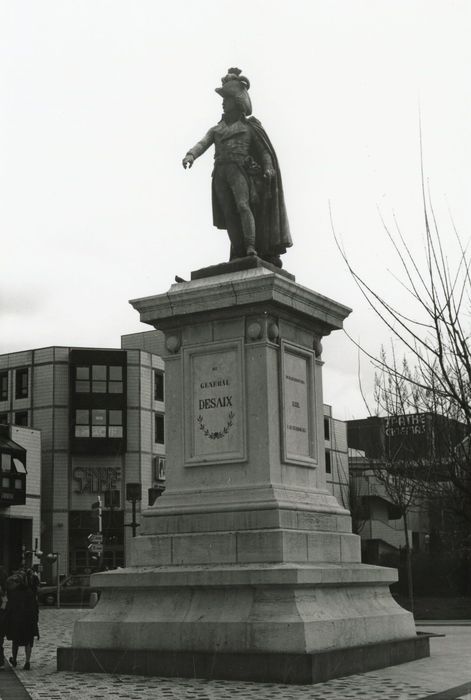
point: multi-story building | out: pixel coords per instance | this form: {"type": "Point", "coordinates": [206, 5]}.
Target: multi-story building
{"type": "Point", "coordinates": [20, 501]}
{"type": "Point", "coordinates": [336, 456]}
{"type": "Point", "coordinates": [101, 414]}
{"type": "Point", "coordinates": [421, 444]}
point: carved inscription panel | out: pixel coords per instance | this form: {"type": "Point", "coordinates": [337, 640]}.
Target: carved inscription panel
{"type": "Point", "coordinates": [298, 405]}
{"type": "Point", "coordinates": [215, 419]}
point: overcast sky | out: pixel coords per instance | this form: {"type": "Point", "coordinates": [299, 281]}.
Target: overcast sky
{"type": "Point", "coordinates": [100, 100]}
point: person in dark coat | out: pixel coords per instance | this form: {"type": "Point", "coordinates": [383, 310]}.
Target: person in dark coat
{"type": "Point", "coordinates": [21, 616]}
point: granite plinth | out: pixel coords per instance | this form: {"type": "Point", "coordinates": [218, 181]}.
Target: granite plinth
{"type": "Point", "coordinates": [247, 555]}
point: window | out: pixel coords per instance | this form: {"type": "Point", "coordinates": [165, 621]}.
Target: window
{"type": "Point", "coordinates": [158, 386]}
{"type": "Point", "coordinates": [21, 418]}
{"type": "Point", "coordinates": [21, 383]}
{"type": "Point", "coordinates": [98, 423]}
{"type": "Point", "coordinates": [159, 464]}
{"type": "Point", "coordinates": [159, 435]}
{"type": "Point", "coordinates": [328, 463]}
{"type": "Point", "coordinates": [326, 429]}
{"type": "Point", "coordinates": [3, 386]}
{"type": "Point", "coordinates": [3, 418]}
{"type": "Point", "coordinates": [115, 424]}
{"type": "Point", "coordinates": [99, 379]}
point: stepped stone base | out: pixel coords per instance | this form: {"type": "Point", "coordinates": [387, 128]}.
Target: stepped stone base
{"type": "Point", "coordinates": [286, 623]}
{"type": "Point", "coordinates": [253, 666]}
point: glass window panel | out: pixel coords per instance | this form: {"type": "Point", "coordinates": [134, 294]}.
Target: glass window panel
{"type": "Point", "coordinates": [116, 373]}
{"type": "Point", "coordinates": [82, 416]}
{"type": "Point", "coordinates": [21, 418]}
{"type": "Point", "coordinates": [3, 386]}
{"type": "Point", "coordinates": [158, 386]}
{"type": "Point", "coordinates": [99, 387]}
{"type": "Point", "coordinates": [115, 431]}
{"type": "Point", "coordinates": [82, 431]}
{"type": "Point", "coordinates": [21, 382]}
{"type": "Point", "coordinates": [18, 484]}
{"type": "Point", "coordinates": [159, 429]}
{"type": "Point", "coordinates": [99, 431]}
{"type": "Point", "coordinates": [3, 418]}
{"type": "Point", "coordinates": [82, 387]}
{"type": "Point", "coordinates": [5, 482]}
{"type": "Point", "coordinates": [98, 416]}
{"type": "Point", "coordinates": [6, 463]}
{"type": "Point", "coordinates": [99, 372]}
{"type": "Point", "coordinates": [19, 466]}
{"type": "Point", "coordinates": [82, 372]}
{"type": "Point", "coordinates": [115, 417]}
{"type": "Point", "coordinates": [115, 387]}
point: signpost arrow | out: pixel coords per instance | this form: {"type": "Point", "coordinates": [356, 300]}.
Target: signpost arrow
{"type": "Point", "coordinates": [95, 548]}
{"type": "Point", "coordinates": [96, 538]}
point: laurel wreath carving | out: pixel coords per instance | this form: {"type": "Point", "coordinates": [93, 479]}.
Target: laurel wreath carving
{"type": "Point", "coordinates": [216, 434]}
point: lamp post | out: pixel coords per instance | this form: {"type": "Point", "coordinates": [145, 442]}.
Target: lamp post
{"type": "Point", "coordinates": [55, 557]}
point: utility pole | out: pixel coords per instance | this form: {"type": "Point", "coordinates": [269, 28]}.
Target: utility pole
{"type": "Point", "coordinates": [133, 494]}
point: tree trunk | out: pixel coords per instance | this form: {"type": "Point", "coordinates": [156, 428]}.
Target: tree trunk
{"type": "Point", "coordinates": [410, 584]}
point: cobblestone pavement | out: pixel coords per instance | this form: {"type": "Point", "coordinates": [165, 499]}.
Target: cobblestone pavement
{"type": "Point", "coordinates": [447, 668]}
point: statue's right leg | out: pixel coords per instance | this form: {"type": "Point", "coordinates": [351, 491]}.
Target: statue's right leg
{"type": "Point", "coordinates": [231, 216]}
{"type": "Point", "coordinates": [240, 189]}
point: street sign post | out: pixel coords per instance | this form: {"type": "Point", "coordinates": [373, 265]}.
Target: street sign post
{"type": "Point", "coordinates": [96, 544]}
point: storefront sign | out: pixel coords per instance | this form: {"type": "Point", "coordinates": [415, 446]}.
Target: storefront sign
{"type": "Point", "coordinates": [96, 479]}
{"type": "Point", "coordinates": [413, 424]}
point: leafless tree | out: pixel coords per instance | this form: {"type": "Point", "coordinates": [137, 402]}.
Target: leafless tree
{"type": "Point", "coordinates": [433, 340]}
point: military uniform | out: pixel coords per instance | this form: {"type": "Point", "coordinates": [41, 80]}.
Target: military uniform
{"type": "Point", "coordinates": [247, 191]}
{"type": "Point", "coordinates": [239, 156]}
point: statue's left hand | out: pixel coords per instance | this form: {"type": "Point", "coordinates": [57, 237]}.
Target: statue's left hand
{"type": "Point", "coordinates": [269, 173]}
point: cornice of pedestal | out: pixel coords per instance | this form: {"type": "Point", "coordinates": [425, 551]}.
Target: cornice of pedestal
{"type": "Point", "coordinates": [230, 293]}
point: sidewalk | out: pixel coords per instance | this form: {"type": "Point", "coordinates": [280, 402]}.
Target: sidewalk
{"type": "Point", "coordinates": [449, 667]}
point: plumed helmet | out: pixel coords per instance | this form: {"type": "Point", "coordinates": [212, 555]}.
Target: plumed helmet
{"type": "Point", "coordinates": [236, 85]}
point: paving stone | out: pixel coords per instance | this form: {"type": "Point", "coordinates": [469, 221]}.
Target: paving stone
{"type": "Point", "coordinates": [412, 681]}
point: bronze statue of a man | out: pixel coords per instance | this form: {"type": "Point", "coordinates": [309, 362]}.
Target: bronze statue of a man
{"type": "Point", "coordinates": [247, 192]}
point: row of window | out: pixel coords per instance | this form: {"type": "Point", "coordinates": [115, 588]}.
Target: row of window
{"type": "Point", "coordinates": [19, 418]}
{"type": "Point", "coordinates": [21, 384]}
{"type": "Point", "coordinates": [99, 379]}
{"type": "Point", "coordinates": [108, 423]}
{"type": "Point", "coordinates": [10, 482]}
{"type": "Point", "coordinates": [95, 379]}
{"type": "Point", "coordinates": [98, 423]}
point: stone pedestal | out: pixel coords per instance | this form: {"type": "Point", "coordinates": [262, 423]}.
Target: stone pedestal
{"type": "Point", "coordinates": [246, 567]}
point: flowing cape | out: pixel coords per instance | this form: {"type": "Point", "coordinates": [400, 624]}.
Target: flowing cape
{"type": "Point", "coordinates": [273, 235]}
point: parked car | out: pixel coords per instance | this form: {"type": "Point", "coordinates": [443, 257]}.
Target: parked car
{"type": "Point", "coordinates": [75, 589]}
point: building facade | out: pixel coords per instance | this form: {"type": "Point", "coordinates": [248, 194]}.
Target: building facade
{"type": "Point", "coordinates": [20, 499]}
{"type": "Point", "coordinates": [336, 456]}
{"type": "Point", "coordinates": [421, 442]}
{"type": "Point", "coordinates": [101, 414]}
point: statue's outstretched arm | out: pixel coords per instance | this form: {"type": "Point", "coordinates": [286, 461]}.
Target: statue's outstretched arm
{"type": "Point", "coordinates": [198, 149]}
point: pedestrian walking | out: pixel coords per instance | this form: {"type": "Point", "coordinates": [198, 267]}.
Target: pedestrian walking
{"type": "Point", "coordinates": [21, 616]}
{"type": "Point", "coordinates": [3, 604]}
